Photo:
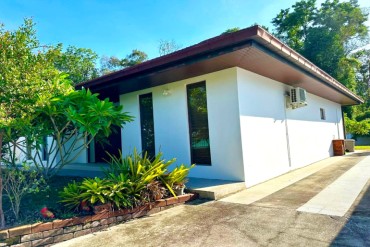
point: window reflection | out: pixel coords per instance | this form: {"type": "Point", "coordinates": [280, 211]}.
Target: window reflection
{"type": "Point", "coordinates": [147, 124]}
{"type": "Point", "coordinates": [198, 123]}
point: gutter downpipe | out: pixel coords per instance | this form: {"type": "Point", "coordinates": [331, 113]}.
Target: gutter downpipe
{"type": "Point", "coordinates": [287, 129]}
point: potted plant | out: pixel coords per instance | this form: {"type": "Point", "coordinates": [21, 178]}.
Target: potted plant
{"type": "Point", "coordinates": [179, 188]}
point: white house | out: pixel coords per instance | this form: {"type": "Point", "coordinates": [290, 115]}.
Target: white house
{"type": "Point", "coordinates": [225, 104]}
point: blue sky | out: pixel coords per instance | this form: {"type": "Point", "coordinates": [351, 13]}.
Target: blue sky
{"type": "Point", "coordinates": [115, 27]}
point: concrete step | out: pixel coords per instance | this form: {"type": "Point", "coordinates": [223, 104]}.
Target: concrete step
{"type": "Point", "coordinates": [214, 189]}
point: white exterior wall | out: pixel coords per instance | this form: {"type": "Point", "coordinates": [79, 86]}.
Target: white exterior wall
{"type": "Point", "coordinates": [253, 137]}
{"type": "Point", "coordinates": [171, 127]}
{"type": "Point", "coordinates": [82, 155]}
{"type": "Point", "coordinates": [269, 130]}
{"type": "Point", "coordinates": [263, 130]}
{"type": "Point", "coordinates": [310, 137]}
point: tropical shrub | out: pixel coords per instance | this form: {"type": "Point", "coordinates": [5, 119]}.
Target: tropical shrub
{"type": "Point", "coordinates": [129, 181]}
{"type": "Point", "coordinates": [177, 177]}
{"type": "Point", "coordinates": [139, 170]}
{"type": "Point", "coordinates": [117, 194]}
{"type": "Point", "coordinates": [70, 195]}
{"type": "Point", "coordinates": [94, 191]}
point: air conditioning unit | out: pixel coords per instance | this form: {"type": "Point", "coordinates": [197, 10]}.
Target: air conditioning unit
{"type": "Point", "coordinates": [297, 97]}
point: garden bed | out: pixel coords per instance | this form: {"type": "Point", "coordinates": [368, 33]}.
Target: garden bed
{"type": "Point", "coordinates": [69, 207]}
{"type": "Point", "coordinates": [47, 233]}
{"type": "Point", "coordinates": [33, 203]}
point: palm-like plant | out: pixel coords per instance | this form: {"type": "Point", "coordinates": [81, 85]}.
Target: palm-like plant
{"type": "Point", "coordinates": [71, 195]}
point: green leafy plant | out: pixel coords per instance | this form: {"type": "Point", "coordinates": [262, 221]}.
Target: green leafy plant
{"type": "Point", "coordinates": [116, 193]}
{"type": "Point", "coordinates": [177, 177]}
{"type": "Point", "coordinates": [94, 190]}
{"type": "Point", "coordinates": [138, 170]}
{"type": "Point", "coordinates": [70, 195]}
{"type": "Point", "coordinates": [129, 181]}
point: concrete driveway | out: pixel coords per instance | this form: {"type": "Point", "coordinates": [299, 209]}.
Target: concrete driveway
{"type": "Point", "coordinates": [274, 220]}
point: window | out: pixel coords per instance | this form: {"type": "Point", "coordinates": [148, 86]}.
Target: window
{"type": "Point", "coordinates": [198, 124]}
{"type": "Point", "coordinates": [322, 114]}
{"type": "Point", "coordinates": [147, 124]}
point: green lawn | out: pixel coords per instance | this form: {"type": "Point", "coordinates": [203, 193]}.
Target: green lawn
{"type": "Point", "coordinates": [362, 148]}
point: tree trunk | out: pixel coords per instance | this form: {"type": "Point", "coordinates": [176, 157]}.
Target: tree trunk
{"type": "Point", "coordinates": [2, 218]}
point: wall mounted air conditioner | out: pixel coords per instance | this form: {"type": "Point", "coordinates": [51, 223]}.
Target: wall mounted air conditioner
{"type": "Point", "coordinates": [297, 97]}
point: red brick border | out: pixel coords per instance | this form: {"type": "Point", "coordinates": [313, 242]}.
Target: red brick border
{"type": "Point", "coordinates": [41, 234]}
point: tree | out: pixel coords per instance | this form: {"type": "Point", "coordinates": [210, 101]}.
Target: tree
{"type": "Point", "coordinates": [324, 34]}
{"type": "Point", "coordinates": [167, 46]}
{"type": "Point", "coordinates": [359, 123]}
{"type": "Point", "coordinates": [72, 121]}
{"type": "Point", "coordinates": [363, 73]}
{"type": "Point", "coordinates": [231, 30]}
{"type": "Point", "coordinates": [292, 26]}
{"type": "Point", "coordinates": [78, 63]}
{"type": "Point", "coordinates": [37, 100]}
{"type": "Point", "coordinates": [357, 127]}
{"type": "Point", "coordinates": [28, 79]}
{"type": "Point", "coordinates": [329, 35]}
{"type": "Point", "coordinates": [111, 64]}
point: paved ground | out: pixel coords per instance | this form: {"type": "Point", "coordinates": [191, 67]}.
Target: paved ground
{"type": "Point", "coordinates": [270, 221]}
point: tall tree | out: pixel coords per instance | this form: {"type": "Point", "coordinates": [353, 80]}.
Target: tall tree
{"type": "Point", "coordinates": [111, 64]}
{"type": "Point", "coordinates": [324, 34]}
{"type": "Point", "coordinates": [328, 35]}
{"type": "Point", "coordinates": [78, 63]}
{"type": "Point", "coordinates": [291, 26]}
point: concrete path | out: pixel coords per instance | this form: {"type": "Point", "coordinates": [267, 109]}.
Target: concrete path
{"type": "Point", "coordinates": [344, 180]}
{"type": "Point", "coordinates": [267, 188]}
{"type": "Point", "coordinates": [337, 198]}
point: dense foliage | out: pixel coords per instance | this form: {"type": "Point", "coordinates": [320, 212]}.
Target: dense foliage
{"type": "Point", "coordinates": [78, 63]}
{"type": "Point", "coordinates": [111, 64]}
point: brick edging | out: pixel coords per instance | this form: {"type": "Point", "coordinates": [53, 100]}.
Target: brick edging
{"type": "Point", "coordinates": [42, 234]}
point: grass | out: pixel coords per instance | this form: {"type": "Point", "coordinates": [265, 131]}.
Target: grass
{"type": "Point", "coordinates": [362, 147]}
{"type": "Point", "coordinates": [33, 203]}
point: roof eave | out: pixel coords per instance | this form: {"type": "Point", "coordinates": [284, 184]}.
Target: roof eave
{"type": "Point", "coordinates": [304, 63]}
{"type": "Point", "coordinates": [220, 42]}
